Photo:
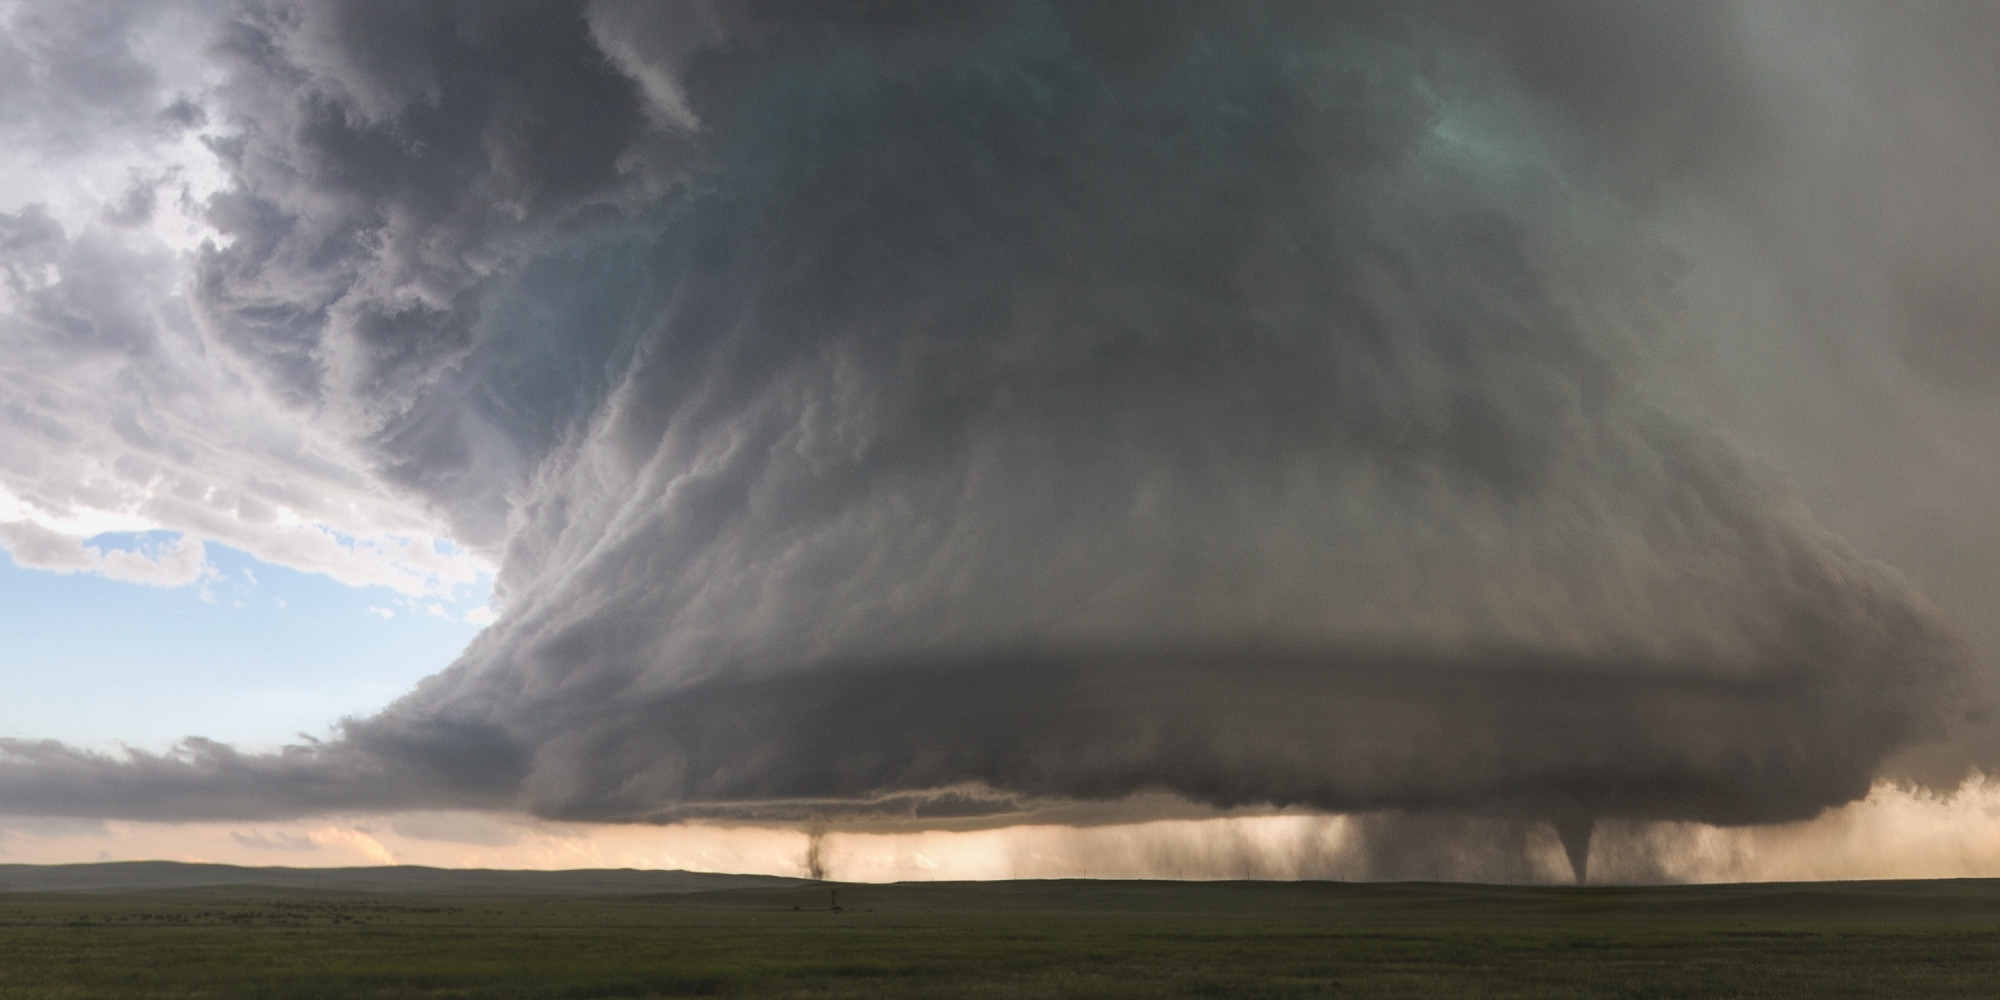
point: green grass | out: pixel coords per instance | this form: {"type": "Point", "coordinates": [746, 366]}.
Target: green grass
{"type": "Point", "coordinates": [1023, 939]}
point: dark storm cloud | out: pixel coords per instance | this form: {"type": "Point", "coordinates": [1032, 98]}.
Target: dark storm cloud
{"type": "Point", "coordinates": [1656, 91]}
{"type": "Point", "coordinates": [390, 161]}
{"type": "Point", "coordinates": [908, 407]}
{"type": "Point", "coordinates": [366, 768]}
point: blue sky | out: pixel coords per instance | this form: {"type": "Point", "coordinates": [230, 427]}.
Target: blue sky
{"type": "Point", "coordinates": [252, 655]}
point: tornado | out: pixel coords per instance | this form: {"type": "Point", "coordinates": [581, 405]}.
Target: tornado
{"type": "Point", "coordinates": [914, 413]}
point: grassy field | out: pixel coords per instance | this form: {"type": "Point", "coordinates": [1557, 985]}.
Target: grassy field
{"type": "Point", "coordinates": [1020, 939]}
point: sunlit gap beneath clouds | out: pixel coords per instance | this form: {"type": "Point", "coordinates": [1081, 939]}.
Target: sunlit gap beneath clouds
{"type": "Point", "coordinates": [1894, 833]}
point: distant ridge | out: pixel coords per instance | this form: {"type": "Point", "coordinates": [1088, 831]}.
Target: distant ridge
{"type": "Point", "coordinates": [129, 876]}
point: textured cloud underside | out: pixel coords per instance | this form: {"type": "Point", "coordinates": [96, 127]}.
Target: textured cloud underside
{"type": "Point", "coordinates": [920, 410]}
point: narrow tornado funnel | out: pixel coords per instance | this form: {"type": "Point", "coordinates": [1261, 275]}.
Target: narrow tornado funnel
{"type": "Point", "coordinates": [1574, 832]}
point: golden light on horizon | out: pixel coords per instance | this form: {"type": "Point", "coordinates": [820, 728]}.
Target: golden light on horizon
{"type": "Point", "coordinates": [1896, 832]}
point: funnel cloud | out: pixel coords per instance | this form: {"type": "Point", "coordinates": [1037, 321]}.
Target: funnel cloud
{"type": "Point", "coordinates": [937, 413]}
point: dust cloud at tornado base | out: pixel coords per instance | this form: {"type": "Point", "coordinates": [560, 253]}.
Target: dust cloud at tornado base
{"type": "Point", "coordinates": [911, 414]}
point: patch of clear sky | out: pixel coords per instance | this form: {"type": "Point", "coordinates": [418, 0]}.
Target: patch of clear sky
{"type": "Point", "coordinates": [252, 656]}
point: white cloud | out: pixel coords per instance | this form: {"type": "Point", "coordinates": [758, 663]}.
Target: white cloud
{"type": "Point", "coordinates": [120, 412]}
{"type": "Point", "coordinates": [381, 612]}
{"type": "Point", "coordinates": [32, 546]}
{"type": "Point", "coordinates": [356, 839]}
{"type": "Point", "coordinates": [138, 426]}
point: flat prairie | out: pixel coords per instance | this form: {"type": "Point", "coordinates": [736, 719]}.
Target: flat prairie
{"type": "Point", "coordinates": [1009, 939]}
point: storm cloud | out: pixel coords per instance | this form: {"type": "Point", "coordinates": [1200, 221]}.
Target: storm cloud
{"type": "Point", "coordinates": [920, 410]}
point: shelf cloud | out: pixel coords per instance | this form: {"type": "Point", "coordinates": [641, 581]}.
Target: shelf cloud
{"type": "Point", "coordinates": [936, 414]}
